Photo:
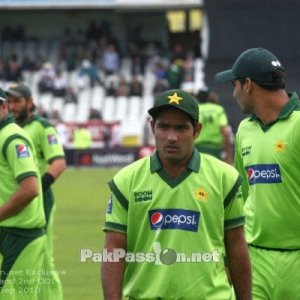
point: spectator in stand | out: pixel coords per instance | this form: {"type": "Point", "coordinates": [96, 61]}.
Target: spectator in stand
{"type": "Point", "coordinates": [111, 89]}
{"type": "Point", "coordinates": [136, 87]}
{"type": "Point", "coordinates": [175, 74]}
{"type": "Point", "coordinates": [13, 72]}
{"type": "Point", "coordinates": [95, 114]}
{"type": "Point", "coordinates": [111, 60]}
{"type": "Point", "coordinates": [89, 70]}
{"type": "Point", "coordinates": [46, 74]}
{"type": "Point", "coordinates": [138, 65]}
{"type": "Point", "coordinates": [70, 96]}
{"type": "Point", "coordinates": [60, 84]}
{"type": "Point", "coordinates": [161, 85]}
{"type": "Point", "coordinates": [179, 55]}
{"type": "Point", "coordinates": [123, 88]}
{"type": "Point", "coordinates": [28, 64]}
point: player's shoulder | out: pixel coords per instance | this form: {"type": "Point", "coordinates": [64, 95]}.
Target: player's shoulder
{"type": "Point", "coordinates": [246, 123]}
{"type": "Point", "coordinates": [37, 119]}
{"type": "Point", "coordinates": [214, 165]}
{"type": "Point", "coordinates": [137, 166]}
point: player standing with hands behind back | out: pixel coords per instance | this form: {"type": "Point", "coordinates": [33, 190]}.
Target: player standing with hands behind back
{"type": "Point", "coordinates": [267, 154]}
{"type": "Point", "coordinates": [180, 201]}
{"type": "Point", "coordinates": [22, 219]}
{"type": "Point", "coordinates": [51, 161]}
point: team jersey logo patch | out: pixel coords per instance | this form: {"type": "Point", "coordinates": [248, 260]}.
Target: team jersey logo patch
{"type": "Point", "coordinates": [263, 173]}
{"type": "Point", "coordinates": [22, 151]}
{"type": "Point", "coordinates": [52, 140]}
{"type": "Point", "coordinates": [174, 219]}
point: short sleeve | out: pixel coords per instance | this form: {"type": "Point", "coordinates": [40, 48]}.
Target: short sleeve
{"type": "Point", "coordinates": [20, 159]}
{"type": "Point", "coordinates": [51, 145]}
{"type": "Point", "coordinates": [234, 208]}
{"type": "Point", "coordinates": [116, 215]}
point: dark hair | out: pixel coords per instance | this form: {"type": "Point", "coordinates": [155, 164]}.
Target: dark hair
{"type": "Point", "coordinates": [276, 85]}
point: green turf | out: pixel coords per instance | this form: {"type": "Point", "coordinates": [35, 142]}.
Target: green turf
{"type": "Point", "coordinates": [81, 196]}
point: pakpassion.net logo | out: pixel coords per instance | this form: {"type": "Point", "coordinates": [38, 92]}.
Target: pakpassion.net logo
{"type": "Point", "coordinates": [159, 256]}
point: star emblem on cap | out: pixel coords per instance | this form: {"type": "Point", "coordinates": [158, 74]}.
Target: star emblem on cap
{"type": "Point", "coordinates": [174, 99]}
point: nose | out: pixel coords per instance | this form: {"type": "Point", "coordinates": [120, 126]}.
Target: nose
{"type": "Point", "coordinates": [172, 136]}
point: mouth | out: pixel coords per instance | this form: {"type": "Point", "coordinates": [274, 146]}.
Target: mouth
{"type": "Point", "coordinates": [171, 148]}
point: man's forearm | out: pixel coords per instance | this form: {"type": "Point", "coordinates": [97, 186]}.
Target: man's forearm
{"type": "Point", "coordinates": [112, 278]}
{"type": "Point", "coordinates": [238, 263]}
{"type": "Point", "coordinates": [27, 191]}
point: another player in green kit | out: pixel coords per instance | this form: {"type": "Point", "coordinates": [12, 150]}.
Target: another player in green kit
{"type": "Point", "coordinates": [22, 220]}
{"type": "Point", "coordinates": [51, 161]}
{"type": "Point", "coordinates": [267, 155]}
{"type": "Point", "coordinates": [173, 215]}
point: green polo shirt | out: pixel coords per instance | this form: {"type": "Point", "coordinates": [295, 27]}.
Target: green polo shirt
{"type": "Point", "coordinates": [46, 141]}
{"type": "Point", "coordinates": [17, 161]}
{"type": "Point", "coordinates": [268, 158]}
{"type": "Point", "coordinates": [212, 117]}
{"type": "Point", "coordinates": [162, 215]}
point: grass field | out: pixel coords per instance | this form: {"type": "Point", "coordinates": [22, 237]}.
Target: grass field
{"type": "Point", "coordinates": [81, 196]}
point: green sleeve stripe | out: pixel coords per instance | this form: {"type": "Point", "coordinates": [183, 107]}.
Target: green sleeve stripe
{"type": "Point", "coordinates": [232, 223]}
{"type": "Point", "coordinates": [233, 191]}
{"type": "Point", "coordinates": [123, 201]}
{"type": "Point", "coordinates": [11, 138]}
{"type": "Point", "coordinates": [110, 226]}
{"type": "Point", "coordinates": [54, 158]}
{"type": "Point", "coordinates": [25, 175]}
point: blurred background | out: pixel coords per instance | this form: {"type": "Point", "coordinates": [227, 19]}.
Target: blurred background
{"type": "Point", "coordinates": [94, 67]}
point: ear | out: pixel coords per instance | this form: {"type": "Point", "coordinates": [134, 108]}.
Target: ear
{"type": "Point", "coordinates": [152, 125]}
{"type": "Point", "coordinates": [30, 103]}
{"type": "Point", "coordinates": [248, 85]}
{"type": "Point", "coordinates": [197, 130]}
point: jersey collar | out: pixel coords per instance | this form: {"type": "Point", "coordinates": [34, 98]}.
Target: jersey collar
{"type": "Point", "coordinates": [287, 109]}
{"type": "Point", "coordinates": [32, 118]}
{"type": "Point", "coordinates": [9, 119]}
{"type": "Point", "coordinates": [193, 165]}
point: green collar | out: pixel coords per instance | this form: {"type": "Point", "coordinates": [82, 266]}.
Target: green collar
{"type": "Point", "coordinates": [193, 166]}
{"type": "Point", "coordinates": [32, 118]}
{"type": "Point", "coordinates": [7, 120]}
{"type": "Point", "coordinates": [293, 104]}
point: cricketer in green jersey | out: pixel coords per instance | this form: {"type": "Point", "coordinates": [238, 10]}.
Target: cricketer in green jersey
{"type": "Point", "coordinates": [267, 155]}
{"type": "Point", "coordinates": [22, 220]}
{"type": "Point", "coordinates": [172, 217]}
{"type": "Point", "coordinates": [216, 135]}
{"type": "Point", "coordinates": [51, 162]}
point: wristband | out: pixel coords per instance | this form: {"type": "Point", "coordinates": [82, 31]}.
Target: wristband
{"type": "Point", "coordinates": [47, 180]}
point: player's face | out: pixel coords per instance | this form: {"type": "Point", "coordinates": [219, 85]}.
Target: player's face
{"type": "Point", "coordinates": [242, 97]}
{"type": "Point", "coordinates": [19, 106]}
{"type": "Point", "coordinates": [3, 110]}
{"type": "Point", "coordinates": [174, 136]}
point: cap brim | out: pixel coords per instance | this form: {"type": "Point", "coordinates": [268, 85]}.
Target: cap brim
{"type": "Point", "coordinates": [153, 111]}
{"type": "Point", "coordinates": [13, 93]}
{"type": "Point", "coordinates": [2, 99]}
{"type": "Point", "coordinates": [223, 77]}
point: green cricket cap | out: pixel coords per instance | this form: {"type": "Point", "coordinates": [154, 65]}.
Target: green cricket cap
{"type": "Point", "coordinates": [258, 64]}
{"type": "Point", "coordinates": [19, 90]}
{"type": "Point", "coordinates": [176, 99]}
{"type": "Point", "coordinates": [2, 95]}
